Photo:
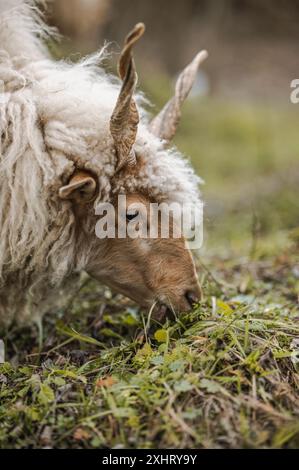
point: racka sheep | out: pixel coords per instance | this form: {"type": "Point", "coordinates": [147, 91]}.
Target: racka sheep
{"type": "Point", "coordinates": [72, 137]}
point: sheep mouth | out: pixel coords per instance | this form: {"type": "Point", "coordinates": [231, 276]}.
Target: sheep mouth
{"type": "Point", "coordinates": [162, 313]}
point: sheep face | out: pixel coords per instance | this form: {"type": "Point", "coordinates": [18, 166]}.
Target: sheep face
{"type": "Point", "coordinates": [148, 269]}
{"type": "Point", "coordinates": [135, 258]}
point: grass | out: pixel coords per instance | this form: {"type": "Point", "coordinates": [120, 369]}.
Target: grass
{"type": "Point", "coordinates": [226, 374]}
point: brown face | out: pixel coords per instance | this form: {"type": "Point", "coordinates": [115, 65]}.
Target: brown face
{"type": "Point", "coordinates": [148, 269]}
{"type": "Point", "coordinates": [145, 269]}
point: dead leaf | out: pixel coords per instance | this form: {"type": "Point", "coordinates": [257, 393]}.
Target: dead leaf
{"type": "Point", "coordinates": [81, 435]}
{"type": "Point", "coordinates": [105, 382]}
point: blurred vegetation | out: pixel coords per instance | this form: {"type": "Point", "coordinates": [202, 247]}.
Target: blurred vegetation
{"type": "Point", "coordinates": [253, 45]}
{"type": "Point", "coordinates": [247, 154]}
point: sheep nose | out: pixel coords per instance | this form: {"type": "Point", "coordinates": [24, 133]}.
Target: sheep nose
{"type": "Point", "coordinates": [192, 297]}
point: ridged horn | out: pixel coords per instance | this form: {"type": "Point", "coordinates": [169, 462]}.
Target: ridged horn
{"type": "Point", "coordinates": [125, 118]}
{"type": "Point", "coordinates": [165, 124]}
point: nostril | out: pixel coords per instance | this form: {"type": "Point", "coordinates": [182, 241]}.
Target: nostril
{"type": "Point", "coordinates": [192, 298]}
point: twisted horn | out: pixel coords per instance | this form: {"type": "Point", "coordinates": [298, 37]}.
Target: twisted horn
{"type": "Point", "coordinates": [125, 118]}
{"type": "Point", "coordinates": [165, 124]}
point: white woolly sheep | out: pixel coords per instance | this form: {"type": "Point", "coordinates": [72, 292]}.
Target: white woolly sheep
{"type": "Point", "coordinates": [70, 139]}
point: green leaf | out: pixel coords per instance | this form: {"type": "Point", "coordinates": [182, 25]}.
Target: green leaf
{"type": "Point", "coordinates": [45, 395]}
{"type": "Point", "coordinates": [32, 413]}
{"type": "Point", "coordinates": [79, 336]}
{"type": "Point", "coordinates": [224, 308]}
{"type": "Point", "coordinates": [161, 336]}
{"type": "Point", "coordinates": [23, 391]}
{"type": "Point", "coordinates": [157, 360]}
{"type": "Point", "coordinates": [143, 354]}
{"type": "Point", "coordinates": [70, 374]}
{"type": "Point", "coordinates": [177, 365]}
{"type": "Point", "coordinates": [110, 333]}
{"type": "Point", "coordinates": [59, 381]}
{"type": "Point", "coordinates": [183, 386]}
{"type": "Point", "coordinates": [146, 350]}
{"type": "Point", "coordinates": [96, 442]}
{"type": "Point", "coordinates": [210, 386]}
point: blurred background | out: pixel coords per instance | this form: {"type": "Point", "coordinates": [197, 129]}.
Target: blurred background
{"type": "Point", "coordinates": [239, 127]}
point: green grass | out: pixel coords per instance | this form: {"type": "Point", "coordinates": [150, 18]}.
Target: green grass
{"type": "Point", "coordinates": [224, 375]}
{"type": "Point", "coordinates": [247, 154]}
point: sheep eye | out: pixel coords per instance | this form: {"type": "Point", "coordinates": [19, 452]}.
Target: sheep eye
{"type": "Point", "coordinates": [131, 215]}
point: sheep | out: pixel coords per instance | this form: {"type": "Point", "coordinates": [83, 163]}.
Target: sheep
{"type": "Point", "coordinates": [73, 137]}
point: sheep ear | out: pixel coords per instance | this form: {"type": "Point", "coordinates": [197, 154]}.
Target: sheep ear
{"type": "Point", "coordinates": [81, 188]}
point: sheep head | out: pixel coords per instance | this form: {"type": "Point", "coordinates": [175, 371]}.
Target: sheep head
{"type": "Point", "coordinates": [147, 270]}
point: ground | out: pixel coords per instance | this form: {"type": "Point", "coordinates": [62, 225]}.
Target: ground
{"type": "Point", "coordinates": [225, 375]}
